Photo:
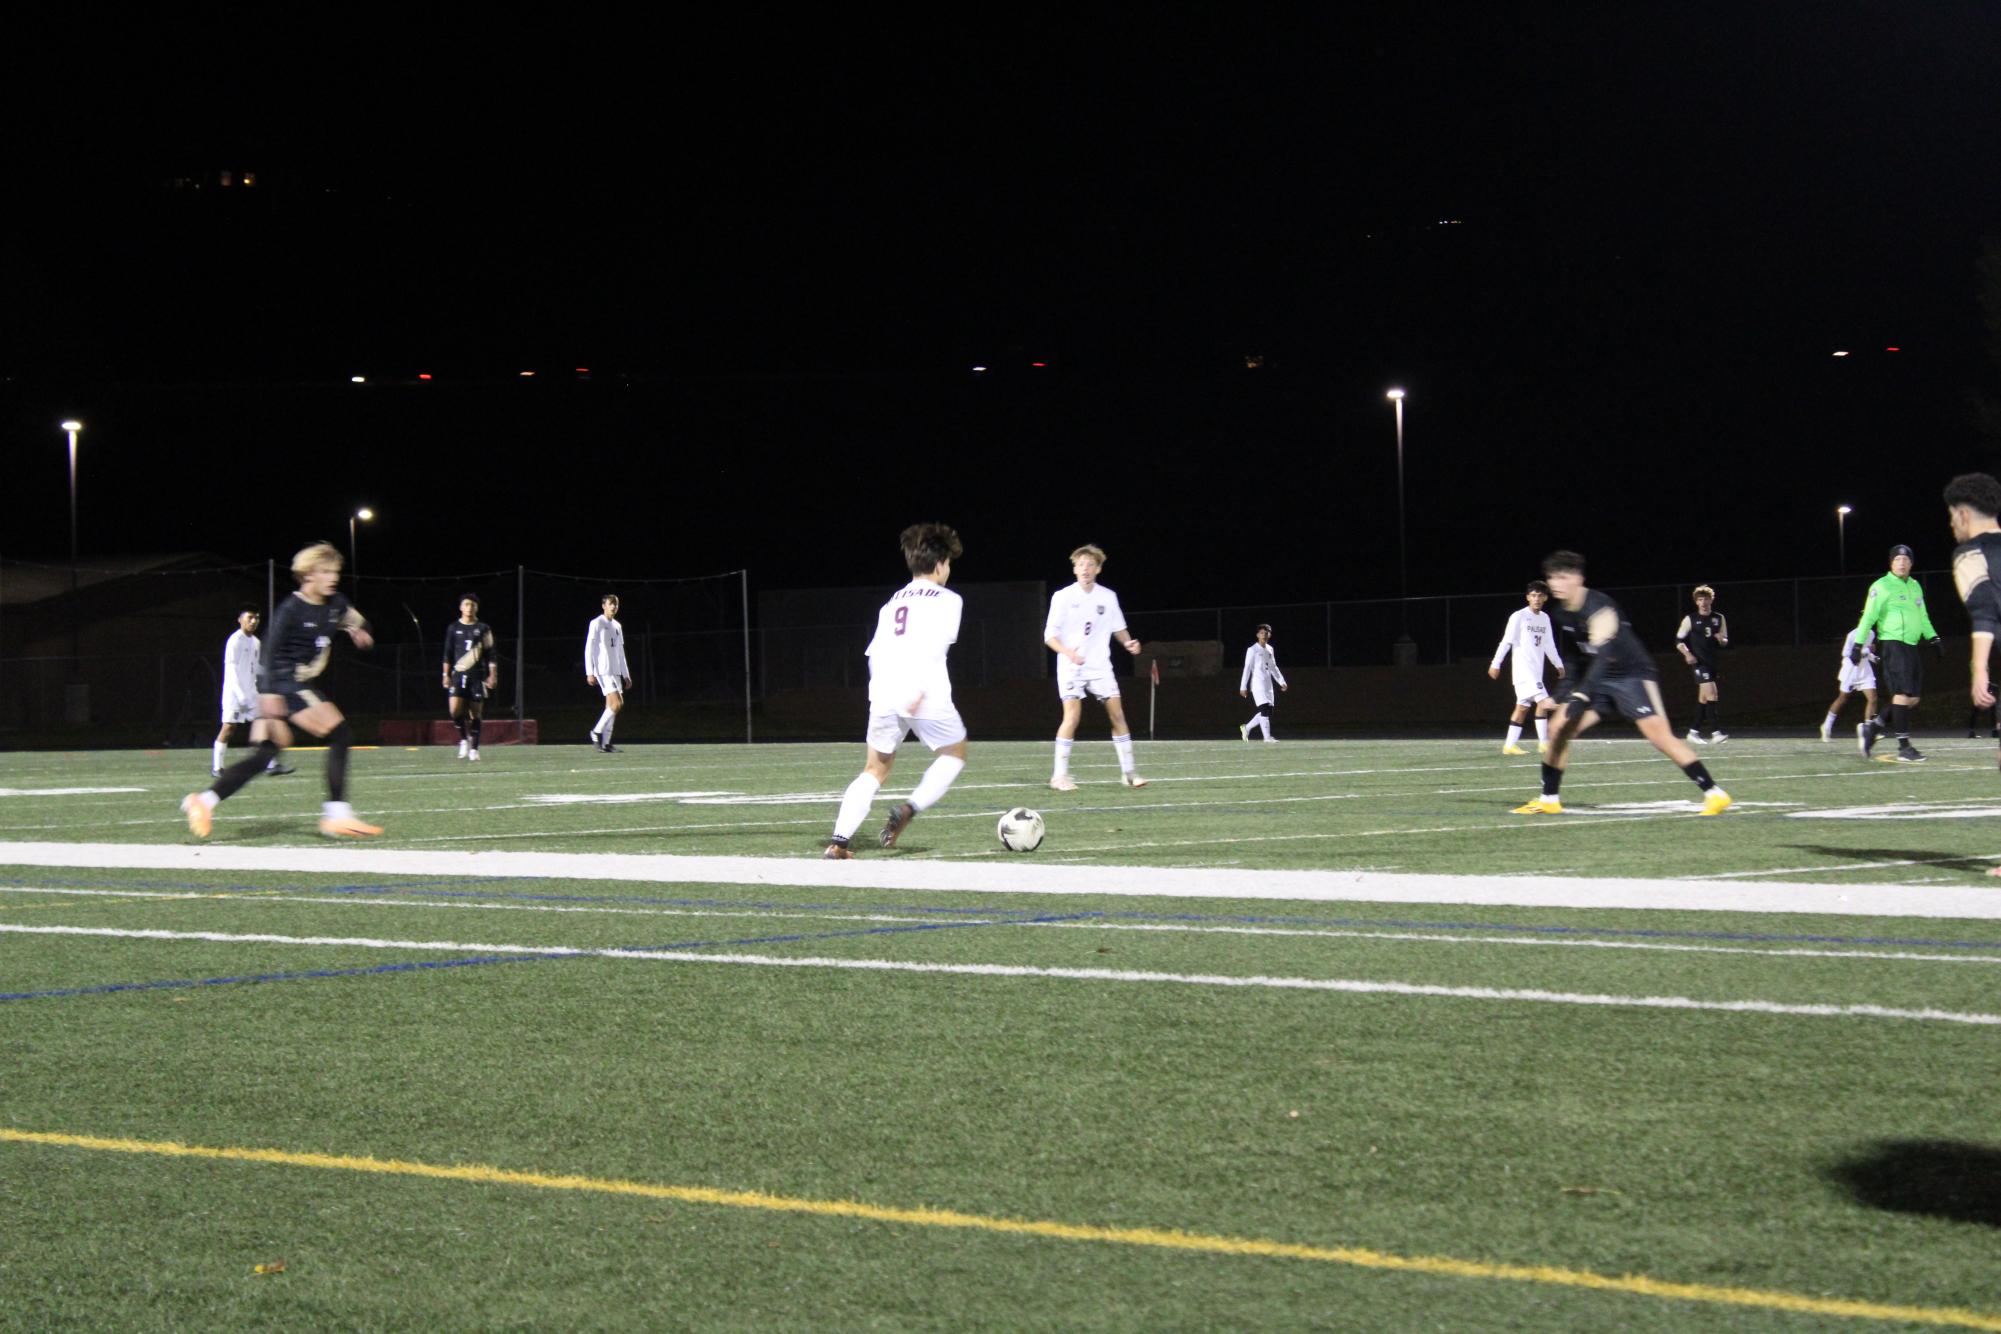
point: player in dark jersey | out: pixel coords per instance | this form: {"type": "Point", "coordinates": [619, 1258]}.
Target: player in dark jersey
{"type": "Point", "coordinates": [1698, 640]}
{"type": "Point", "coordinates": [1972, 502]}
{"type": "Point", "coordinates": [469, 642]}
{"type": "Point", "coordinates": [288, 694]}
{"type": "Point", "coordinates": [1618, 680]}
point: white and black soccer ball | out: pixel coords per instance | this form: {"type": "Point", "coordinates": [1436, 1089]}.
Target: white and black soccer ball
{"type": "Point", "coordinates": [1021, 830]}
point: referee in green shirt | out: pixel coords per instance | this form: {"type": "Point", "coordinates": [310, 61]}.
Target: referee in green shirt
{"type": "Point", "coordinates": [1896, 612]}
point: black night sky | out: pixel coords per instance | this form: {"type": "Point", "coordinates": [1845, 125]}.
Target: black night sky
{"type": "Point", "coordinates": [1609, 251]}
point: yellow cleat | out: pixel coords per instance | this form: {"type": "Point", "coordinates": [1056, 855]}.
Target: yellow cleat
{"type": "Point", "coordinates": [346, 826]}
{"type": "Point", "coordinates": [1542, 747]}
{"type": "Point", "coordinates": [200, 818]}
{"type": "Point", "coordinates": [1716, 802]}
{"type": "Point", "coordinates": [1513, 750]}
{"type": "Point", "coordinates": [1541, 806]}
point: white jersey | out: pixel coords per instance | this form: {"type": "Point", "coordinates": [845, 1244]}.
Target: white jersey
{"type": "Point", "coordinates": [1854, 676]}
{"type": "Point", "coordinates": [1085, 622]}
{"type": "Point", "coordinates": [604, 650]}
{"type": "Point", "coordinates": [1261, 673]}
{"type": "Point", "coordinates": [913, 632]}
{"type": "Point", "coordinates": [239, 672]}
{"type": "Point", "coordinates": [1532, 641]}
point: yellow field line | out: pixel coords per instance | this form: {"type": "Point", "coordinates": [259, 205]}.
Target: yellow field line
{"type": "Point", "coordinates": [1166, 1239]}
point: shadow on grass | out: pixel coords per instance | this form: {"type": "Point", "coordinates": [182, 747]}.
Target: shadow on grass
{"type": "Point", "coordinates": [1909, 854]}
{"type": "Point", "coordinates": [1935, 1178]}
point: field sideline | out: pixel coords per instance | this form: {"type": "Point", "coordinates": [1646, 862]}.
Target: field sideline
{"type": "Point", "coordinates": [1308, 1034]}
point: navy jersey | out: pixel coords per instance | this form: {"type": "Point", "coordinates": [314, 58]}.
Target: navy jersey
{"type": "Point", "coordinates": [1975, 567]}
{"type": "Point", "coordinates": [467, 646]}
{"type": "Point", "coordinates": [1700, 633]}
{"type": "Point", "coordinates": [1605, 638]}
{"type": "Point", "coordinates": [300, 640]}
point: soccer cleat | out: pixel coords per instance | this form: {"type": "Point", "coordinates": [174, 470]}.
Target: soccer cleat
{"type": "Point", "coordinates": [837, 850]}
{"type": "Point", "coordinates": [1542, 747]}
{"type": "Point", "coordinates": [1132, 780]}
{"type": "Point", "coordinates": [1695, 738]}
{"type": "Point", "coordinates": [1512, 749]}
{"type": "Point", "coordinates": [596, 742]}
{"type": "Point", "coordinates": [608, 749]}
{"type": "Point", "coordinates": [1063, 783]}
{"type": "Point", "coordinates": [1715, 801]}
{"type": "Point", "coordinates": [215, 773]}
{"type": "Point", "coordinates": [277, 770]}
{"type": "Point", "coordinates": [1909, 754]}
{"type": "Point", "coordinates": [463, 744]}
{"type": "Point", "coordinates": [1540, 806]}
{"type": "Point", "coordinates": [1244, 731]}
{"type": "Point", "coordinates": [1718, 738]}
{"type": "Point", "coordinates": [1827, 731]}
{"type": "Point", "coordinates": [1271, 741]}
{"type": "Point", "coordinates": [1865, 736]}
{"type": "Point", "coordinates": [346, 826]}
{"type": "Point", "coordinates": [200, 818]}
{"type": "Point", "coordinates": [472, 754]}
{"type": "Point", "coordinates": [900, 816]}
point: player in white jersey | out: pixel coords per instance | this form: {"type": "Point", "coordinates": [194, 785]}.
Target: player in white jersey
{"type": "Point", "coordinates": [910, 689]}
{"type": "Point", "coordinates": [1260, 674]}
{"type": "Point", "coordinates": [1532, 640]}
{"type": "Point", "coordinates": [1854, 676]}
{"type": "Point", "coordinates": [1084, 619]}
{"type": "Point", "coordinates": [605, 668]}
{"type": "Point", "coordinates": [239, 688]}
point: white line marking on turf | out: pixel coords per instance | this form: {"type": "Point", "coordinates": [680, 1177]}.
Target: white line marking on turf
{"type": "Point", "coordinates": [62, 791]}
{"type": "Point", "coordinates": [1180, 928]}
{"type": "Point", "coordinates": [612, 798]}
{"type": "Point", "coordinates": [1902, 811]}
{"type": "Point", "coordinates": [1020, 876]}
{"type": "Point", "coordinates": [1346, 985]}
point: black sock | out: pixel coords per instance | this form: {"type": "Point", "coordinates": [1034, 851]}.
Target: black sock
{"type": "Point", "coordinates": [473, 727]}
{"type": "Point", "coordinates": [1900, 722]}
{"type": "Point", "coordinates": [241, 772]}
{"type": "Point", "coordinates": [1552, 779]}
{"type": "Point", "coordinates": [338, 741]}
{"type": "Point", "coordinates": [459, 721]}
{"type": "Point", "coordinates": [1695, 770]}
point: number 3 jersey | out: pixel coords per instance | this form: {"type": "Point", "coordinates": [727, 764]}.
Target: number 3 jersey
{"type": "Point", "coordinates": [913, 632]}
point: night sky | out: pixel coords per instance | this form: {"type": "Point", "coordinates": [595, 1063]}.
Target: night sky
{"type": "Point", "coordinates": [1608, 251]}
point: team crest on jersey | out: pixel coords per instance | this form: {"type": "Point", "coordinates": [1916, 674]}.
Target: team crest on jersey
{"type": "Point", "coordinates": [1101, 609]}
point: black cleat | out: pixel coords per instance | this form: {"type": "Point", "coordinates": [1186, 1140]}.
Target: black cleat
{"type": "Point", "coordinates": [1909, 754]}
{"type": "Point", "coordinates": [900, 816]}
{"type": "Point", "coordinates": [280, 769]}
{"type": "Point", "coordinates": [608, 749]}
{"type": "Point", "coordinates": [837, 850]}
{"type": "Point", "coordinates": [1865, 736]}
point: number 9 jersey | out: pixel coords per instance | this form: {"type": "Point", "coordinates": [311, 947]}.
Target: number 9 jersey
{"type": "Point", "coordinates": [913, 633]}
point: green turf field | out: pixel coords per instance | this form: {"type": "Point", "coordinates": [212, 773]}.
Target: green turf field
{"type": "Point", "coordinates": [479, 1097]}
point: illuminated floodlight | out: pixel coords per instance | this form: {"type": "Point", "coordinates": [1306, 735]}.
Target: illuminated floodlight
{"type": "Point", "coordinates": [1394, 394]}
{"type": "Point", "coordinates": [528, 375]}
{"type": "Point", "coordinates": [357, 379]}
{"type": "Point", "coordinates": [1841, 354]}
{"type": "Point", "coordinates": [364, 514]}
{"type": "Point", "coordinates": [72, 425]}
{"type": "Point", "coordinates": [979, 370]}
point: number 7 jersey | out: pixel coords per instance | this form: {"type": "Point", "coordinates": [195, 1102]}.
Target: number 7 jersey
{"type": "Point", "coordinates": [913, 633]}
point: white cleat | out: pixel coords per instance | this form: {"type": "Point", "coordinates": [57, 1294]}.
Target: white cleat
{"type": "Point", "coordinates": [1827, 731]}
{"type": "Point", "coordinates": [472, 754]}
{"type": "Point", "coordinates": [1695, 738]}
{"type": "Point", "coordinates": [1271, 741]}
{"type": "Point", "coordinates": [1243, 731]}
{"type": "Point", "coordinates": [1063, 783]}
{"type": "Point", "coordinates": [1132, 780]}
{"type": "Point", "coordinates": [463, 743]}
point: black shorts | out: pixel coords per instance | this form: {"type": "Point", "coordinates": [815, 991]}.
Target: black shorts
{"type": "Point", "coordinates": [1704, 674]}
{"type": "Point", "coordinates": [1628, 697]}
{"type": "Point", "coordinates": [1902, 671]}
{"type": "Point", "coordinates": [466, 685]}
{"type": "Point", "coordinates": [297, 698]}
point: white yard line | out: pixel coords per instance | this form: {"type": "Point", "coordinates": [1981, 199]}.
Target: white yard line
{"type": "Point", "coordinates": [1349, 986]}
{"type": "Point", "coordinates": [1021, 875]}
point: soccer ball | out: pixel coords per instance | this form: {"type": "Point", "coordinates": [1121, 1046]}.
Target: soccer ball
{"type": "Point", "coordinates": [1021, 830]}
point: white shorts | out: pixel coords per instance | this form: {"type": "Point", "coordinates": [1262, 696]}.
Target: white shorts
{"type": "Point", "coordinates": [239, 713]}
{"type": "Point", "coordinates": [1530, 692]}
{"type": "Point", "coordinates": [886, 731]}
{"type": "Point", "coordinates": [1074, 682]}
{"type": "Point", "coordinates": [612, 685]}
{"type": "Point", "coordinates": [1857, 676]}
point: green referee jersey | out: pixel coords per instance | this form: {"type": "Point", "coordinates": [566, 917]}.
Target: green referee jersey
{"type": "Point", "coordinates": [1896, 612]}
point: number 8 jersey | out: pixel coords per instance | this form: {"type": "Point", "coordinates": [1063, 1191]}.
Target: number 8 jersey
{"type": "Point", "coordinates": [913, 632]}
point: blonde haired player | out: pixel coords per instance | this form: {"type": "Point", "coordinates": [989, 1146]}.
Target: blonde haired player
{"type": "Point", "coordinates": [1531, 638]}
{"type": "Point", "coordinates": [1083, 621]}
{"type": "Point", "coordinates": [288, 685]}
{"type": "Point", "coordinates": [910, 689]}
{"type": "Point", "coordinates": [605, 668]}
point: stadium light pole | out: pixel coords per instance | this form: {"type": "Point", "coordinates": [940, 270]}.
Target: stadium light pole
{"type": "Point", "coordinates": [364, 514]}
{"type": "Point", "coordinates": [1841, 513]}
{"type": "Point", "coordinates": [74, 428]}
{"type": "Point", "coordinates": [1395, 397]}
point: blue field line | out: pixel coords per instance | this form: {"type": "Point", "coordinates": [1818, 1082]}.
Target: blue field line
{"type": "Point", "coordinates": [78, 882]}
{"type": "Point", "coordinates": [319, 974]}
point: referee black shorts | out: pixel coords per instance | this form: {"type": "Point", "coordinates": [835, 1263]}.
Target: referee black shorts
{"type": "Point", "coordinates": [1903, 669]}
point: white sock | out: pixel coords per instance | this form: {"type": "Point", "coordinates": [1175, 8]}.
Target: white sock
{"type": "Point", "coordinates": [603, 724]}
{"type": "Point", "coordinates": [221, 753]}
{"type": "Point", "coordinates": [208, 799]}
{"type": "Point", "coordinates": [1264, 723]}
{"type": "Point", "coordinates": [604, 728]}
{"type": "Point", "coordinates": [337, 810]}
{"type": "Point", "coordinates": [936, 779]}
{"type": "Point", "coordinates": [1514, 733]}
{"type": "Point", "coordinates": [1541, 728]}
{"type": "Point", "coordinates": [1063, 745]}
{"type": "Point", "coordinates": [1829, 724]}
{"type": "Point", "coordinates": [1124, 746]}
{"type": "Point", "coordinates": [854, 804]}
